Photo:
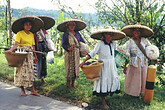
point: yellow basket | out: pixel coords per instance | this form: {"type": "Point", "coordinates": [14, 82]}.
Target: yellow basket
{"type": "Point", "coordinates": [92, 71]}
{"type": "Point", "coordinates": [15, 59]}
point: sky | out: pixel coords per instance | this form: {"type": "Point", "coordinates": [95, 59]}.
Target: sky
{"type": "Point", "coordinates": [77, 5]}
{"type": "Point", "coordinates": [84, 6]}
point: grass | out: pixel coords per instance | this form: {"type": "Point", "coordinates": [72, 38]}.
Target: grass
{"type": "Point", "coordinates": [56, 88]}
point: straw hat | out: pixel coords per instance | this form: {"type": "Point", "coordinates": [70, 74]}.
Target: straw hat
{"type": "Point", "coordinates": [48, 21]}
{"type": "Point", "coordinates": [117, 34]}
{"type": "Point", "coordinates": [80, 25]}
{"type": "Point", "coordinates": [146, 31]}
{"type": "Point", "coordinates": [37, 24]}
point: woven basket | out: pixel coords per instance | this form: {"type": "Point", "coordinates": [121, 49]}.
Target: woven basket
{"type": "Point", "coordinates": [15, 59]}
{"type": "Point", "coordinates": [92, 71]}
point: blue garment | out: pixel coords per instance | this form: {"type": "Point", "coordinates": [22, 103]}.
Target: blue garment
{"type": "Point", "coordinates": [65, 41]}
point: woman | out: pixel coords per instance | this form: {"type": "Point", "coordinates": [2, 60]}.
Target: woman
{"type": "Point", "coordinates": [40, 40]}
{"type": "Point", "coordinates": [136, 72]}
{"type": "Point", "coordinates": [109, 82]}
{"type": "Point", "coordinates": [24, 75]}
{"type": "Point", "coordinates": [70, 42]}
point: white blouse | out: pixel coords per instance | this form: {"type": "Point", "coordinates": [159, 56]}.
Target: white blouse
{"type": "Point", "coordinates": [134, 52]}
{"type": "Point", "coordinates": [109, 81]}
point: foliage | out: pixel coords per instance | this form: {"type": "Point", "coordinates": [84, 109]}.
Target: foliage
{"type": "Point", "coordinates": [146, 12]}
{"type": "Point", "coordinates": [90, 19]}
{"type": "Point", "coordinates": [3, 27]}
{"type": "Point", "coordinates": [59, 16]}
{"type": "Point", "coordinates": [56, 88]}
{"type": "Point", "coordinates": [59, 34]}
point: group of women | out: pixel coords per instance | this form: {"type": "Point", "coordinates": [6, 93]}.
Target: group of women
{"type": "Point", "coordinates": [109, 82]}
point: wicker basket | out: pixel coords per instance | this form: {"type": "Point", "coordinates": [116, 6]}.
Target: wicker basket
{"type": "Point", "coordinates": [92, 71]}
{"type": "Point", "coordinates": [15, 59]}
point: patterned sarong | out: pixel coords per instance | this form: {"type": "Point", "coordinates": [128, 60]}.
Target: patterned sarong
{"type": "Point", "coordinates": [40, 68]}
{"type": "Point", "coordinates": [24, 75]}
{"type": "Point", "coordinates": [72, 61]}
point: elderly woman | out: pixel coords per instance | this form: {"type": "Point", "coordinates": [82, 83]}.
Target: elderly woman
{"type": "Point", "coordinates": [70, 43]}
{"type": "Point", "coordinates": [24, 75]}
{"type": "Point", "coordinates": [109, 82]}
{"type": "Point", "coordinates": [136, 72]}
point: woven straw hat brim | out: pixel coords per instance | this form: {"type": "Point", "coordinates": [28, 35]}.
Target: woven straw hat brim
{"type": "Point", "coordinates": [37, 24]}
{"type": "Point", "coordinates": [48, 21]}
{"type": "Point", "coordinates": [80, 25]}
{"type": "Point", "coordinates": [145, 31]}
{"type": "Point", "coordinates": [117, 34]}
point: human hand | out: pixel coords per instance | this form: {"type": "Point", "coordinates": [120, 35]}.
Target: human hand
{"type": "Point", "coordinates": [155, 61]}
{"type": "Point", "coordinates": [124, 70]}
{"type": "Point", "coordinates": [35, 60]}
{"type": "Point", "coordinates": [70, 48]}
{"type": "Point", "coordinates": [81, 65]}
{"type": "Point", "coordinates": [8, 51]}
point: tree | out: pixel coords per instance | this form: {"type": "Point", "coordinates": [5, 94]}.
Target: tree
{"type": "Point", "coordinates": [146, 12]}
{"type": "Point", "coordinates": [10, 17]}
{"type": "Point", "coordinates": [78, 15]}
{"type": "Point", "coordinates": [3, 26]}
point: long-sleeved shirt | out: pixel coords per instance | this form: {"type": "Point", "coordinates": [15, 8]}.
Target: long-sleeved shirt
{"type": "Point", "coordinates": [134, 52]}
{"type": "Point", "coordinates": [65, 41]}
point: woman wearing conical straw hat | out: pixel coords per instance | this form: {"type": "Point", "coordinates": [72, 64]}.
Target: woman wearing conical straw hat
{"type": "Point", "coordinates": [136, 72]}
{"type": "Point", "coordinates": [70, 43]}
{"type": "Point", "coordinates": [40, 40]}
{"type": "Point", "coordinates": [23, 28]}
{"type": "Point", "coordinates": [109, 82]}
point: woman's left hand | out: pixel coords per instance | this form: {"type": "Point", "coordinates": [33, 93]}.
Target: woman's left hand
{"type": "Point", "coordinates": [125, 70]}
{"type": "Point", "coordinates": [155, 61]}
{"type": "Point", "coordinates": [35, 60]}
{"type": "Point", "coordinates": [70, 48]}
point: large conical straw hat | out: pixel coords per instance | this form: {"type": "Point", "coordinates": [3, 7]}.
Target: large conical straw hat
{"type": "Point", "coordinates": [117, 35]}
{"type": "Point", "coordinates": [48, 21]}
{"type": "Point", "coordinates": [80, 25]}
{"type": "Point", "coordinates": [37, 24]}
{"type": "Point", "coordinates": [145, 31]}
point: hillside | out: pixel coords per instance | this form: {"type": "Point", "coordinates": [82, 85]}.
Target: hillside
{"type": "Point", "coordinates": [53, 13]}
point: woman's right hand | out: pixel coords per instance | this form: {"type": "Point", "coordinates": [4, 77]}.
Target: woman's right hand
{"type": "Point", "coordinates": [8, 51]}
{"type": "Point", "coordinates": [70, 48]}
{"type": "Point", "coordinates": [81, 65]}
{"type": "Point", "coordinates": [13, 48]}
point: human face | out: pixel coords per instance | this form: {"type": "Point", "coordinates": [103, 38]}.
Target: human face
{"type": "Point", "coordinates": [27, 26]}
{"type": "Point", "coordinates": [108, 37]}
{"type": "Point", "coordinates": [71, 27]}
{"type": "Point", "coordinates": [136, 32]}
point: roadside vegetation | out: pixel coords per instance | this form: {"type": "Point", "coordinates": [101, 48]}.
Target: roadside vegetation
{"type": "Point", "coordinates": [55, 87]}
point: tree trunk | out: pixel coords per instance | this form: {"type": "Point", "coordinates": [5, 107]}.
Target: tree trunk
{"type": "Point", "coordinates": [10, 17]}
{"type": "Point", "coordinates": [137, 11]}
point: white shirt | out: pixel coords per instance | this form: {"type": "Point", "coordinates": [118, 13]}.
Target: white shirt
{"type": "Point", "coordinates": [134, 52]}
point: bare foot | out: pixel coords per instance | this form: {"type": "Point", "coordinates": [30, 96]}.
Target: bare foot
{"type": "Point", "coordinates": [23, 94]}
{"type": "Point", "coordinates": [106, 106]}
{"type": "Point", "coordinates": [73, 86]}
{"type": "Point", "coordinates": [43, 80]}
{"type": "Point", "coordinates": [34, 93]}
{"type": "Point", "coordinates": [69, 86]}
